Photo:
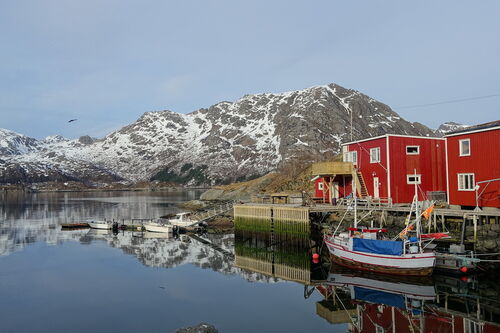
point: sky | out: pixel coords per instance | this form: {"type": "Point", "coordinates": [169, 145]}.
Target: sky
{"type": "Point", "coordinates": [106, 62]}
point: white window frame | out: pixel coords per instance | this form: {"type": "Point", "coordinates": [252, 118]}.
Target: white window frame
{"type": "Point", "coordinates": [417, 181]}
{"type": "Point", "coordinates": [460, 147]}
{"type": "Point", "coordinates": [375, 152]}
{"type": "Point", "coordinates": [409, 153]}
{"type": "Point", "coordinates": [354, 157]}
{"type": "Point", "coordinates": [321, 186]}
{"type": "Point", "coordinates": [461, 184]}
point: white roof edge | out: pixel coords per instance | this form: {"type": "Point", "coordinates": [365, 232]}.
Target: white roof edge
{"type": "Point", "coordinates": [396, 135]}
{"type": "Point", "coordinates": [473, 131]}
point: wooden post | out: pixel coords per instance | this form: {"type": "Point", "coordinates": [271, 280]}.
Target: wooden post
{"type": "Point", "coordinates": [474, 219]}
{"type": "Point", "coordinates": [462, 236]}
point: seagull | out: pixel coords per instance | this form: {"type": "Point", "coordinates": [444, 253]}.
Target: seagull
{"type": "Point", "coordinates": [69, 121]}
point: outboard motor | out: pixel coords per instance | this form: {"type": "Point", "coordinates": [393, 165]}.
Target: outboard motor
{"type": "Point", "coordinates": [115, 228]}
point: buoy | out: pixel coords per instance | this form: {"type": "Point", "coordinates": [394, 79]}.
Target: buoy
{"type": "Point", "coordinates": [463, 269]}
{"type": "Point", "coordinates": [315, 256]}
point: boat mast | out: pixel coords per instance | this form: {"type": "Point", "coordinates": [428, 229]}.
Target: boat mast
{"type": "Point", "coordinates": [417, 213]}
{"type": "Point", "coordinates": [355, 201]}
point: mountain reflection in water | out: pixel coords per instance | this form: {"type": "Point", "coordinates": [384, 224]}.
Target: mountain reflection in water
{"type": "Point", "coordinates": [311, 296]}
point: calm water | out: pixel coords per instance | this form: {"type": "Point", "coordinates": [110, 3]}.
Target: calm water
{"type": "Point", "coordinates": [93, 281]}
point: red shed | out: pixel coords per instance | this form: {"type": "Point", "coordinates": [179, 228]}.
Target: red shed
{"type": "Point", "coordinates": [387, 167]}
{"type": "Point", "coordinates": [473, 156]}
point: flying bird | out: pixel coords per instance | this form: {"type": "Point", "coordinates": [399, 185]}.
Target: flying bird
{"type": "Point", "coordinates": [71, 120]}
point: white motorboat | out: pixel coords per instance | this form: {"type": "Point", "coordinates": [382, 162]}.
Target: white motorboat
{"type": "Point", "coordinates": [183, 220]}
{"type": "Point", "coordinates": [159, 226]}
{"type": "Point", "coordinates": [100, 224]}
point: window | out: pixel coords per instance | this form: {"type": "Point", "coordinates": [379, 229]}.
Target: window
{"type": "Point", "coordinates": [351, 156]}
{"type": "Point", "coordinates": [464, 146]}
{"type": "Point", "coordinates": [320, 186]}
{"type": "Point", "coordinates": [354, 157]}
{"type": "Point", "coordinates": [412, 150]}
{"type": "Point", "coordinates": [375, 155]}
{"type": "Point", "coordinates": [466, 182]}
{"type": "Point", "coordinates": [413, 179]}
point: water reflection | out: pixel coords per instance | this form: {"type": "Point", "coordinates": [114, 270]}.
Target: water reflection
{"type": "Point", "coordinates": [36, 217]}
{"type": "Point", "coordinates": [358, 302]}
{"type": "Point", "coordinates": [370, 302]}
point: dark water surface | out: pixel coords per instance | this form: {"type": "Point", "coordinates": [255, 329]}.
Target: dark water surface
{"type": "Point", "coordinates": [92, 281]}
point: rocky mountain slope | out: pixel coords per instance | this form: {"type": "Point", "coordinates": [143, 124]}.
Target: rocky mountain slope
{"type": "Point", "coordinates": [228, 141]}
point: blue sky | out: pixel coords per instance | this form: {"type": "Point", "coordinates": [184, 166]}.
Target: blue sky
{"type": "Point", "coordinates": [108, 62]}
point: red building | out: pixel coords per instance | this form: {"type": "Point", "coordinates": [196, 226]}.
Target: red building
{"type": "Point", "coordinates": [386, 167]}
{"type": "Point", "coordinates": [473, 166]}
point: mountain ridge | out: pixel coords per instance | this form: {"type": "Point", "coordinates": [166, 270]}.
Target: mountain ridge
{"type": "Point", "coordinates": [225, 142]}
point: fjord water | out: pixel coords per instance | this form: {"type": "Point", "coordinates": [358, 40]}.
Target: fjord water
{"type": "Point", "coordinates": [53, 280]}
{"type": "Point", "coordinates": [257, 279]}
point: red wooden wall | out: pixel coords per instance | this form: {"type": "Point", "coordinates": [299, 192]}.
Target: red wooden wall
{"type": "Point", "coordinates": [484, 162]}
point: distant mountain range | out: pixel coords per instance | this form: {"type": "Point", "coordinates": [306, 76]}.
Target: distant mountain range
{"type": "Point", "coordinates": [229, 141]}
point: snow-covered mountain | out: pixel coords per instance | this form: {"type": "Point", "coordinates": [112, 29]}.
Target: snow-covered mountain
{"type": "Point", "coordinates": [227, 141]}
{"type": "Point", "coordinates": [449, 126]}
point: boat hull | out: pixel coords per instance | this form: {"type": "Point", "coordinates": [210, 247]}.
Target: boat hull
{"type": "Point", "coordinates": [158, 228]}
{"type": "Point", "coordinates": [99, 225]}
{"type": "Point", "coordinates": [419, 264]}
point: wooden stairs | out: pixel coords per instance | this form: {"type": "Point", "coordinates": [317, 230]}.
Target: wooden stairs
{"type": "Point", "coordinates": [360, 184]}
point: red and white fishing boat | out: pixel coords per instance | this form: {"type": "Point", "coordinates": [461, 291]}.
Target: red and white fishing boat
{"type": "Point", "coordinates": [368, 250]}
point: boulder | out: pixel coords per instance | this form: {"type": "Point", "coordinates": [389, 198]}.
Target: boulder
{"type": "Point", "coordinates": [200, 328]}
{"type": "Point", "coordinates": [495, 227]}
{"type": "Point", "coordinates": [490, 244]}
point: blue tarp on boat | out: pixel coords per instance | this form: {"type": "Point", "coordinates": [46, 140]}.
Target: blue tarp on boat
{"type": "Point", "coordinates": [379, 297]}
{"type": "Point", "coordinates": [378, 246]}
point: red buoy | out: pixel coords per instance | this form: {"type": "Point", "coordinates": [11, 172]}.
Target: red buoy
{"type": "Point", "coordinates": [315, 256]}
{"type": "Point", "coordinates": [463, 269]}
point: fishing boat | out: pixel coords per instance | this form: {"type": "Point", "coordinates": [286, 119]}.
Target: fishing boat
{"type": "Point", "coordinates": [159, 226]}
{"type": "Point", "coordinates": [367, 249]}
{"type": "Point", "coordinates": [100, 224]}
{"type": "Point", "coordinates": [183, 220]}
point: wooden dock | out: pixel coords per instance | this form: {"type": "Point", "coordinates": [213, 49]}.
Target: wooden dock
{"type": "Point", "coordinates": [300, 214]}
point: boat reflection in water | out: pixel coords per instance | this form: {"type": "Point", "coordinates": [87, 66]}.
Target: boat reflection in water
{"type": "Point", "coordinates": [380, 303]}
{"type": "Point", "coordinates": [369, 302]}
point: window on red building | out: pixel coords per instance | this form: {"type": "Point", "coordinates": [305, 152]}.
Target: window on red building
{"type": "Point", "coordinates": [466, 182]}
{"type": "Point", "coordinates": [375, 155]}
{"type": "Point", "coordinates": [464, 146]}
{"type": "Point", "coordinates": [413, 179]}
{"type": "Point", "coordinates": [412, 150]}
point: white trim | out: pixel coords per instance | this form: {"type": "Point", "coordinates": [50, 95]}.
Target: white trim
{"type": "Point", "coordinates": [460, 152]}
{"type": "Point", "coordinates": [470, 132]}
{"type": "Point", "coordinates": [447, 174]}
{"type": "Point", "coordinates": [388, 169]}
{"type": "Point", "coordinates": [413, 146]}
{"type": "Point", "coordinates": [418, 179]}
{"type": "Point", "coordinates": [378, 155]}
{"type": "Point", "coordinates": [321, 186]}
{"type": "Point", "coordinates": [473, 182]}
{"type": "Point", "coordinates": [393, 135]}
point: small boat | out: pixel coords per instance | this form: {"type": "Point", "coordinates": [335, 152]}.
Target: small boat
{"type": "Point", "coordinates": [183, 220]}
{"type": "Point", "coordinates": [367, 250]}
{"type": "Point", "coordinates": [100, 224]}
{"type": "Point", "coordinates": [159, 226]}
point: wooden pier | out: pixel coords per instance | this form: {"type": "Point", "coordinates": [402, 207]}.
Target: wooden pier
{"type": "Point", "coordinates": [299, 214]}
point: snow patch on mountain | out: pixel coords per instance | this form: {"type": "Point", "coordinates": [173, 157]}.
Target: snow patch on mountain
{"type": "Point", "coordinates": [230, 140]}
